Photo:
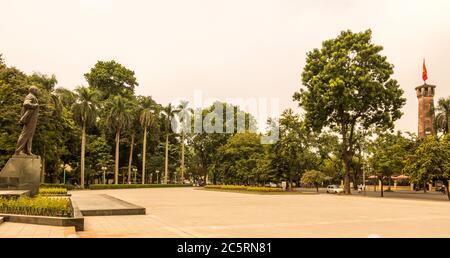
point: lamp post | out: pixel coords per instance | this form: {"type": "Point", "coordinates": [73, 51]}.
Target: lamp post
{"type": "Point", "coordinates": [104, 174]}
{"type": "Point", "coordinates": [63, 167]}
{"type": "Point", "coordinates": [157, 177]}
{"type": "Point", "coordinates": [135, 170]}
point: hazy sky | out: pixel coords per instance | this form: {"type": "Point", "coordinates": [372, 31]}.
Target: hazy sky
{"type": "Point", "coordinates": [228, 48]}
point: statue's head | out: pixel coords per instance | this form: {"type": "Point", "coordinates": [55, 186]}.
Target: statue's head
{"type": "Point", "coordinates": [34, 90]}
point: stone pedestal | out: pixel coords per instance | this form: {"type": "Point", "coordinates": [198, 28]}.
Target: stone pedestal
{"type": "Point", "coordinates": [22, 173]}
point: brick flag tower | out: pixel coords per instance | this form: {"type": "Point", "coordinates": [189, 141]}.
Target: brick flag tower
{"type": "Point", "coordinates": [425, 95]}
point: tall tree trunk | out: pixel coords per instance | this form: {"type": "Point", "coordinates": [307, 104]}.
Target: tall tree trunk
{"type": "Point", "coordinates": [347, 189]}
{"type": "Point", "coordinates": [130, 160]}
{"type": "Point", "coordinates": [447, 190]}
{"type": "Point", "coordinates": [382, 187]}
{"type": "Point", "coordinates": [425, 187]}
{"type": "Point", "coordinates": [43, 168]}
{"type": "Point", "coordinates": [116, 163]}
{"type": "Point", "coordinates": [166, 167]}
{"type": "Point", "coordinates": [182, 158]}
{"type": "Point", "coordinates": [144, 154]}
{"type": "Point", "coordinates": [205, 175]}
{"type": "Point", "coordinates": [347, 151]}
{"type": "Point", "coordinates": [355, 179]}
{"type": "Point", "coordinates": [83, 154]}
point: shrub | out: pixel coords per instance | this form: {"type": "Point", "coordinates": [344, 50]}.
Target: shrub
{"type": "Point", "coordinates": [38, 206]}
{"type": "Point", "coordinates": [106, 187]}
{"type": "Point", "coordinates": [245, 188]}
{"type": "Point", "coordinates": [53, 191]}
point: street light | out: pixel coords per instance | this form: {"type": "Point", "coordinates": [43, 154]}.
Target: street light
{"type": "Point", "coordinates": [135, 170]}
{"type": "Point", "coordinates": [157, 177]}
{"type": "Point", "coordinates": [63, 167]}
{"type": "Point", "coordinates": [104, 174]}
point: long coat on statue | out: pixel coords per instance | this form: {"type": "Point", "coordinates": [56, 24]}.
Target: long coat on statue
{"type": "Point", "coordinates": [29, 118]}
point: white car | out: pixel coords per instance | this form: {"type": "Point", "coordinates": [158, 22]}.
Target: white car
{"type": "Point", "coordinates": [334, 189]}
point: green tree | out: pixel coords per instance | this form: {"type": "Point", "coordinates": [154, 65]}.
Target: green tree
{"type": "Point", "coordinates": [67, 97]}
{"type": "Point", "coordinates": [46, 81]}
{"type": "Point", "coordinates": [292, 155]}
{"type": "Point", "coordinates": [313, 177]}
{"type": "Point", "coordinates": [431, 160]}
{"type": "Point", "coordinates": [185, 116]}
{"type": "Point", "coordinates": [169, 113]}
{"type": "Point", "coordinates": [118, 119]}
{"type": "Point", "coordinates": [240, 157]}
{"type": "Point", "coordinates": [99, 154]}
{"type": "Point", "coordinates": [85, 115]}
{"type": "Point", "coordinates": [348, 84]}
{"type": "Point", "coordinates": [148, 119]}
{"type": "Point", "coordinates": [205, 145]}
{"type": "Point", "coordinates": [112, 79]}
{"type": "Point", "coordinates": [443, 116]}
{"type": "Point", "coordinates": [13, 88]}
{"type": "Point", "coordinates": [389, 153]}
{"type": "Point", "coordinates": [132, 130]}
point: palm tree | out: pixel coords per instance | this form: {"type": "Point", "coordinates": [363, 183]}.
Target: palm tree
{"type": "Point", "coordinates": [84, 113]}
{"type": "Point", "coordinates": [442, 122]}
{"type": "Point", "coordinates": [185, 115]}
{"type": "Point", "coordinates": [169, 113]}
{"type": "Point", "coordinates": [119, 118]}
{"type": "Point", "coordinates": [133, 128]}
{"type": "Point", "coordinates": [147, 119]}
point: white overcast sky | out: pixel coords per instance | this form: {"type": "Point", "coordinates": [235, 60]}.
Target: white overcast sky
{"type": "Point", "coordinates": [227, 48]}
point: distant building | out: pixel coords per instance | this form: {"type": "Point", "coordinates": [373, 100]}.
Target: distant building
{"type": "Point", "coordinates": [425, 95]}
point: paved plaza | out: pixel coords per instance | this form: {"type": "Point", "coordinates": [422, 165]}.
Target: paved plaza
{"type": "Point", "coordinates": [190, 212]}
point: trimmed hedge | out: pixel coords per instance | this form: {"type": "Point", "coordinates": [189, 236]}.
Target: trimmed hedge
{"type": "Point", "coordinates": [245, 188]}
{"type": "Point", "coordinates": [136, 186]}
{"type": "Point", "coordinates": [38, 206]}
{"type": "Point", "coordinates": [66, 186]}
{"type": "Point", "coordinates": [53, 191]}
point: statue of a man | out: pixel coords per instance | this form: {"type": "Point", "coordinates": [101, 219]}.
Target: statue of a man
{"type": "Point", "coordinates": [29, 117]}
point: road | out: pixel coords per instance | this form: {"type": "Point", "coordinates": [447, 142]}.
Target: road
{"type": "Point", "coordinates": [429, 196]}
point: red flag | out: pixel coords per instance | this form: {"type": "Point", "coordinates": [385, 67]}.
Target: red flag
{"type": "Point", "coordinates": [425, 72]}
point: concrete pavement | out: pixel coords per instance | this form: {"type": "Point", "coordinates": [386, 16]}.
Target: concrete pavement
{"type": "Point", "coordinates": [197, 213]}
{"type": "Point", "coordinates": [189, 212]}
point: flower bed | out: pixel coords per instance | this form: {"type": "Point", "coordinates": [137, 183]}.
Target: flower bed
{"type": "Point", "coordinates": [245, 188]}
{"type": "Point", "coordinates": [38, 206]}
{"type": "Point", "coordinates": [52, 191]}
{"type": "Point", "coordinates": [66, 186]}
{"type": "Point", "coordinates": [105, 187]}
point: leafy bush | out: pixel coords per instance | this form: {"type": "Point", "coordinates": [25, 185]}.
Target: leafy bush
{"type": "Point", "coordinates": [38, 206]}
{"type": "Point", "coordinates": [245, 188]}
{"type": "Point", "coordinates": [53, 191]}
{"type": "Point", "coordinates": [66, 186]}
{"type": "Point", "coordinates": [105, 187]}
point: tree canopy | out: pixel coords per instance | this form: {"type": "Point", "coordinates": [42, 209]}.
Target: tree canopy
{"type": "Point", "coordinates": [347, 85]}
